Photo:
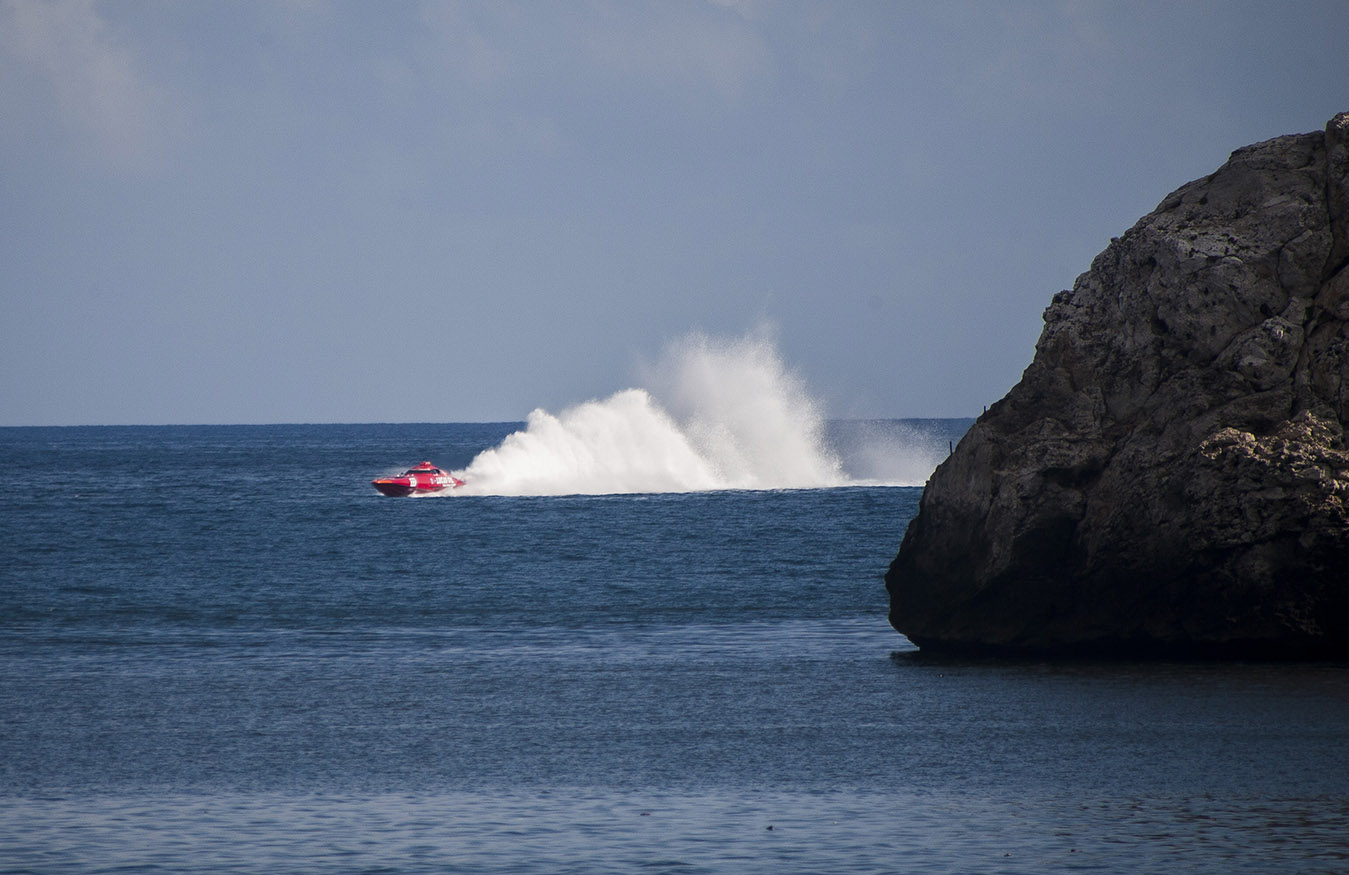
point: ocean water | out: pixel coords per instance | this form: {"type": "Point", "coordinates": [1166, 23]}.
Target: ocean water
{"type": "Point", "coordinates": [222, 651]}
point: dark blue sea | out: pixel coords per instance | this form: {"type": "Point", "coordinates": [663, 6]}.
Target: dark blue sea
{"type": "Point", "coordinates": [222, 651]}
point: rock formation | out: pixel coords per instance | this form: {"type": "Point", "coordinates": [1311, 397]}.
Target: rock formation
{"type": "Point", "coordinates": [1170, 475]}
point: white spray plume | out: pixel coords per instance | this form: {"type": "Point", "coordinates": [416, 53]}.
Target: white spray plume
{"type": "Point", "coordinates": [751, 419]}
{"type": "Point", "coordinates": [625, 443]}
{"type": "Point", "coordinates": [732, 418]}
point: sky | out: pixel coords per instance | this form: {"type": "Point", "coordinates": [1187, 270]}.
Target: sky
{"type": "Point", "coordinates": [312, 211]}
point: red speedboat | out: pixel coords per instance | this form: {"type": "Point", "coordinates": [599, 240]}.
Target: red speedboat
{"type": "Point", "coordinates": [425, 479]}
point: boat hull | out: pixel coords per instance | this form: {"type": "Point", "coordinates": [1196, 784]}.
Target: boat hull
{"type": "Point", "coordinates": [392, 488]}
{"type": "Point", "coordinates": [425, 479]}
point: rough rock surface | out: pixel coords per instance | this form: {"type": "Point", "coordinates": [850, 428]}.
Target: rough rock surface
{"type": "Point", "coordinates": [1170, 476]}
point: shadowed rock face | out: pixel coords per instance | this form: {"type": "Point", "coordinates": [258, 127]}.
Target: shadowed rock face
{"type": "Point", "coordinates": [1170, 475]}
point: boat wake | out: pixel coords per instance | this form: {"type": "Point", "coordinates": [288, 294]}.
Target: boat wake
{"type": "Point", "coordinates": [717, 414]}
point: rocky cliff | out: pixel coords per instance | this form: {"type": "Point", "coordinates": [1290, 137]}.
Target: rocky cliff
{"type": "Point", "coordinates": [1170, 475]}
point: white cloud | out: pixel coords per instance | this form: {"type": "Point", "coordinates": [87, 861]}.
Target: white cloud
{"type": "Point", "coordinates": [751, 10]}
{"type": "Point", "coordinates": [87, 77]}
{"type": "Point", "coordinates": [681, 45]}
{"type": "Point", "coordinates": [464, 46]}
{"type": "Point", "coordinates": [699, 48]}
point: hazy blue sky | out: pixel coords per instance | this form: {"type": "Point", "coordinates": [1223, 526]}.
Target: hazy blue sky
{"type": "Point", "coordinates": [355, 211]}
